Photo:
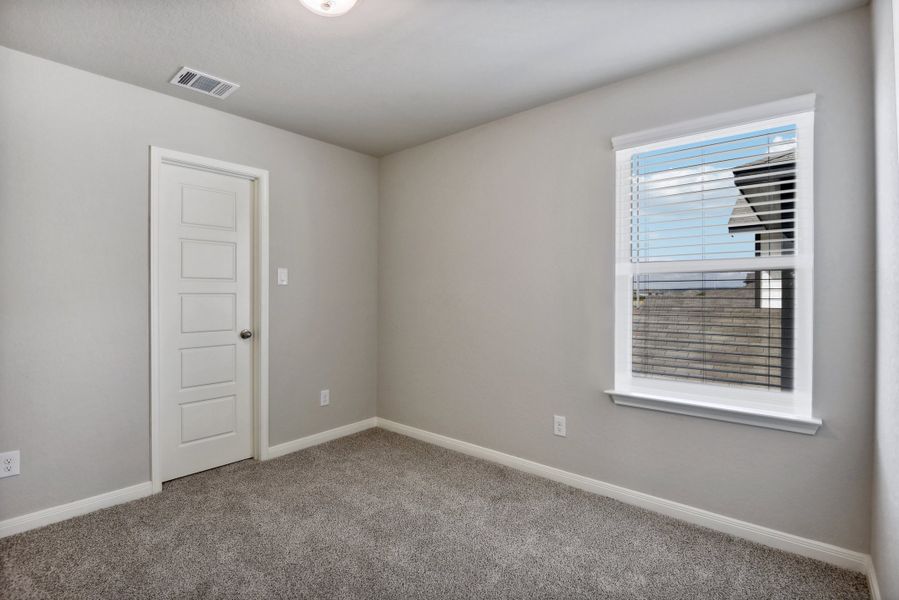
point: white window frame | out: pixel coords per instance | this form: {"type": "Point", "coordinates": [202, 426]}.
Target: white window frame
{"type": "Point", "coordinates": [785, 410]}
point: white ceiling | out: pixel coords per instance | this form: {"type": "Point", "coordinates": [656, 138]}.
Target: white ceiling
{"type": "Point", "coordinates": [392, 73]}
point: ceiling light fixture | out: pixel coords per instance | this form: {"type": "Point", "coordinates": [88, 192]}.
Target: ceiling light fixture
{"type": "Point", "coordinates": [329, 8]}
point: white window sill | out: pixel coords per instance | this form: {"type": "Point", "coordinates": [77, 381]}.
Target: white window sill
{"type": "Point", "coordinates": [758, 418]}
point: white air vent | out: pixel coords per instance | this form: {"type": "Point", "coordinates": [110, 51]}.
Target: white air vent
{"type": "Point", "coordinates": [203, 83]}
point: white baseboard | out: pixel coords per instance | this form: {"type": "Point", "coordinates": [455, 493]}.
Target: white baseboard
{"type": "Point", "coordinates": [872, 581]}
{"type": "Point", "coordinates": [320, 438]}
{"type": "Point", "coordinates": [62, 512]}
{"type": "Point", "coordinates": [848, 559]}
{"type": "Point", "coordinates": [841, 557]}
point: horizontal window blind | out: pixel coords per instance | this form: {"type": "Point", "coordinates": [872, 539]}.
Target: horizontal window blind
{"type": "Point", "coordinates": [730, 328]}
{"type": "Point", "coordinates": [729, 197]}
{"type": "Point", "coordinates": [725, 197]}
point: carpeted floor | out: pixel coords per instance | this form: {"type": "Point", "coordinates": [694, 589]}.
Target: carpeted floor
{"type": "Point", "coordinates": [378, 515]}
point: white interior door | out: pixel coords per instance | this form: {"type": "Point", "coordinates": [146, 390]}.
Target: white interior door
{"type": "Point", "coordinates": [205, 315]}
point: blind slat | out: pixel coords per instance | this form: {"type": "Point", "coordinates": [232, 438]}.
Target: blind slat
{"type": "Point", "coordinates": [642, 162]}
{"type": "Point", "coordinates": [789, 167]}
{"type": "Point", "coordinates": [718, 353]}
{"type": "Point", "coordinates": [704, 187]}
{"type": "Point", "coordinates": [744, 381]}
{"type": "Point", "coordinates": [703, 219]}
{"type": "Point", "coordinates": [690, 237]}
{"type": "Point", "coordinates": [718, 142]}
{"type": "Point", "coordinates": [704, 205]}
{"type": "Point", "coordinates": [639, 204]}
{"type": "Point", "coordinates": [702, 244]}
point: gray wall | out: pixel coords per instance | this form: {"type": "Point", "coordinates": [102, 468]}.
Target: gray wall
{"type": "Point", "coordinates": [885, 517]}
{"type": "Point", "coordinates": [496, 262]}
{"type": "Point", "coordinates": [74, 355]}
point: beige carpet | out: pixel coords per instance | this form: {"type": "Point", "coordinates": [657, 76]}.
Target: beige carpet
{"type": "Point", "coordinates": [378, 515]}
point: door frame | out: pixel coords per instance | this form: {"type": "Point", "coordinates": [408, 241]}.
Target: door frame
{"type": "Point", "coordinates": [260, 250]}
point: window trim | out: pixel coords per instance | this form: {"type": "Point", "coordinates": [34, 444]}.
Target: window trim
{"type": "Point", "coordinates": [790, 411]}
{"type": "Point", "coordinates": [733, 118]}
{"type": "Point", "coordinates": [707, 410]}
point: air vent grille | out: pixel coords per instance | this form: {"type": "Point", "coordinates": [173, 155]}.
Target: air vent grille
{"type": "Point", "coordinates": [203, 83]}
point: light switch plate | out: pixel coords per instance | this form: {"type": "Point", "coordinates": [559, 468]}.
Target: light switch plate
{"type": "Point", "coordinates": [282, 275]}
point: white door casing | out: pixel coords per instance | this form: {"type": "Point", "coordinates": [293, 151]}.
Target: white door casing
{"type": "Point", "coordinates": [209, 385]}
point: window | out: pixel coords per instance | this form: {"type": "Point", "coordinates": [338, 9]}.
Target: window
{"type": "Point", "coordinates": [714, 268]}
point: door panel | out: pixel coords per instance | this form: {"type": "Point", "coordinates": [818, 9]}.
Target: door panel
{"type": "Point", "coordinates": [208, 260]}
{"type": "Point", "coordinates": [201, 313]}
{"type": "Point", "coordinates": [209, 365]}
{"type": "Point", "coordinates": [205, 300]}
{"type": "Point", "coordinates": [207, 418]}
{"type": "Point", "coordinates": [208, 208]}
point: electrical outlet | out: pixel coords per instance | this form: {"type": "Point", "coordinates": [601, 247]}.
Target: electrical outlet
{"type": "Point", "coordinates": [9, 463]}
{"type": "Point", "coordinates": [325, 398]}
{"type": "Point", "coordinates": [559, 426]}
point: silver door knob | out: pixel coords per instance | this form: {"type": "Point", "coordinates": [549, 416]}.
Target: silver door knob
{"type": "Point", "coordinates": [246, 334]}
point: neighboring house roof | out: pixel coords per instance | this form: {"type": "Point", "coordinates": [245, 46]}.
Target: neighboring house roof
{"type": "Point", "coordinates": [744, 215]}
